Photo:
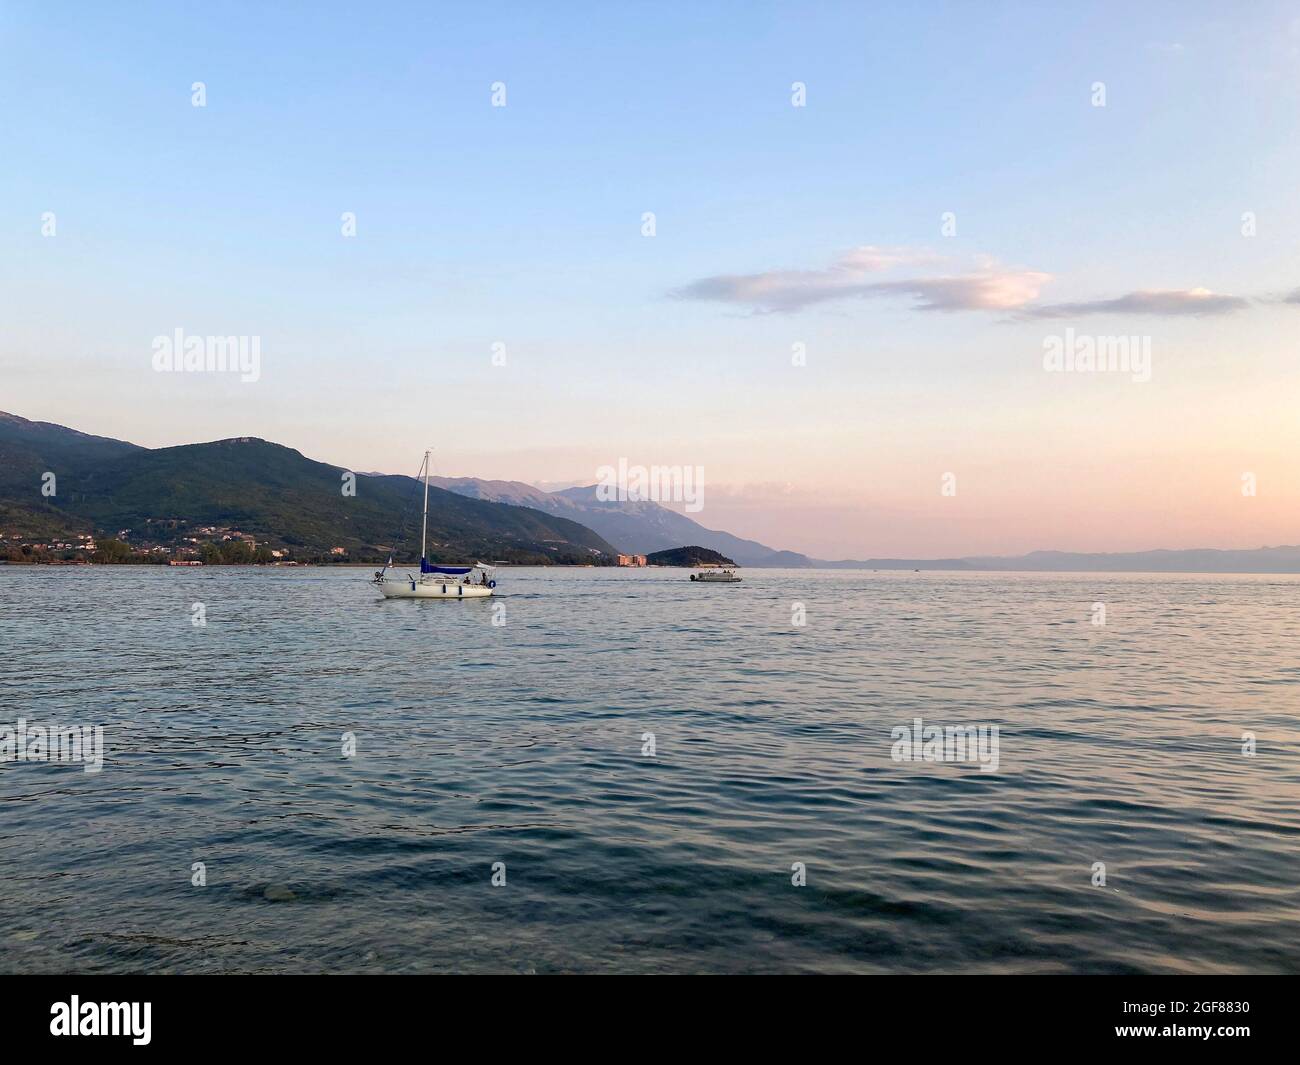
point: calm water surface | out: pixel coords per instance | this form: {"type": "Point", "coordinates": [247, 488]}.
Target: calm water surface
{"type": "Point", "coordinates": [522, 743]}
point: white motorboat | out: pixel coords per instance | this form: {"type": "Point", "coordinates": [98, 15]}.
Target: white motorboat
{"type": "Point", "coordinates": [435, 582]}
{"type": "Point", "coordinates": [716, 576]}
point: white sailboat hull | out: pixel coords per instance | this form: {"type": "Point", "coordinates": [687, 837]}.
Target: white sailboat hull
{"type": "Point", "coordinates": [398, 588]}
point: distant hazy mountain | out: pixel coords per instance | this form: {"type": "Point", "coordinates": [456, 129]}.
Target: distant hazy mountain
{"type": "Point", "coordinates": [898, 563]}
{"type": "Point", "coordinates": [514, 492]}
{"type": "Point", "coordinates": [1195, 560]}
{"type": "Point", "coordinates": [264, 489]}
{"type": "Point", "coordinates": [635, 527]}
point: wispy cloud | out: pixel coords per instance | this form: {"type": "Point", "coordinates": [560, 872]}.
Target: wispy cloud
{"type": "Point", "coordinates": [993, 289]}
{"type": "Point", "coordinates": [986, 286]}
{"type": "Point", "coordinates": [851, 276]}
{"type": "Point", "coordinates": [1165, 302]}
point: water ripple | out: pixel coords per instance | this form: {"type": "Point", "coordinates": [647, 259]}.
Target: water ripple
{"type": "Point", "coordinates": [523, 743]}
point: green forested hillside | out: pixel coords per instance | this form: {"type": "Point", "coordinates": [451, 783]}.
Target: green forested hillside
{"type": "Point", "coordinates": [265, 490]}
{"type": "Point", "coordinates": [688, 556]}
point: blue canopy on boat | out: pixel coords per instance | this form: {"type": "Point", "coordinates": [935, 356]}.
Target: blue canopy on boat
{"type": "Point", "coordinates": [426, 568]}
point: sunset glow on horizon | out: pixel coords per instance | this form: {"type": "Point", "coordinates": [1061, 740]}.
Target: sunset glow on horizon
{"type": "Point", "coordinates": [845, 293]}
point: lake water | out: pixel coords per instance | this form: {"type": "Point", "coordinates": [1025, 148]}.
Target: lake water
{"type": "Point", "coordinates": [522, 743]}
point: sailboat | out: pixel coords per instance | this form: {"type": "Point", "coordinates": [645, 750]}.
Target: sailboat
{"type": "Point", "coordinates": [435, 582]}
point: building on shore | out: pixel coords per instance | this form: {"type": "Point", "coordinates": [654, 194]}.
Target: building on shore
{"type": "Point", "coordinates": [631, 560]}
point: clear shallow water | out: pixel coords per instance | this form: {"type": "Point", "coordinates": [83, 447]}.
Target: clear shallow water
{"type": "Point", "coordinates": [522, 744]}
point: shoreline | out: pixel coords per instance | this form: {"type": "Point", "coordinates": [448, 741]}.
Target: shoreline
{"type": "Point", "coordinates": [635, 569]}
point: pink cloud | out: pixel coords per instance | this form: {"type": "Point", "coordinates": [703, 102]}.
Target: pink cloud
{"type": "Point", "coordinates": [851, 276]}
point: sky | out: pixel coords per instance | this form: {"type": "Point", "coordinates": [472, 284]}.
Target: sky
{"type": "Point", "coordinates": [871, 225]}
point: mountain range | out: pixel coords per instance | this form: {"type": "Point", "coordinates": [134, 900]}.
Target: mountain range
{"type": "Point", "coordinates": [283, 499]}
{"type": "Point", "coordinates": [261, 489]}
{"type": "Point", "coordinates": [639, 527]}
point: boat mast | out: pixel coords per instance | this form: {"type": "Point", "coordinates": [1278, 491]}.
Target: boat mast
{"type": "Point", "coordinates": [424, 528]}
